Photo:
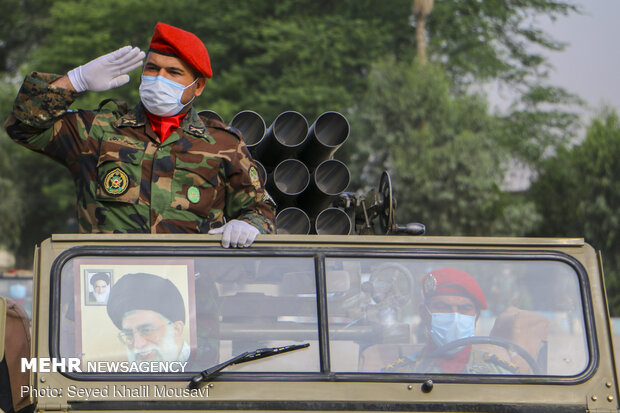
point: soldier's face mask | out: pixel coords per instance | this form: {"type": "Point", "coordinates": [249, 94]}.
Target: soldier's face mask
{"type": "Point", "coordinates": [447, 327]}
{"type": "Point", "coordinates": [161, 96]}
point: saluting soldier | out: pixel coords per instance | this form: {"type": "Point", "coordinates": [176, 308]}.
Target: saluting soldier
{"type": "Point", "coordinates": [451, 308]}
{"type": "Point", "coordinates": [157, 168]}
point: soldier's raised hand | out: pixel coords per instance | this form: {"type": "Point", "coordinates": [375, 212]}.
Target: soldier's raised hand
{"type": "Point", "coordinates": [108, 71]}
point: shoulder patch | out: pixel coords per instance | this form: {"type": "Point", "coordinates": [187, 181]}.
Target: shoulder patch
{"type": "Point", "coordinates": [120, 106]}
{"type": "Point", "coordinates": [254, 177]}
{"type": "Point", "coordinates": [219, 125]}
{"type": "Point", "coordinates": [492, 358]}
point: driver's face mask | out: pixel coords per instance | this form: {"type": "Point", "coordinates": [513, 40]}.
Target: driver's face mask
{"type": "Point", "coordinates": [447, 327]}
{"type": "Point", "coordinates": [161, 96]}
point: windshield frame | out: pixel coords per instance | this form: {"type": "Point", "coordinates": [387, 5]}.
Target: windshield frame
{"type": "Point", "coordinates": [320, 254]}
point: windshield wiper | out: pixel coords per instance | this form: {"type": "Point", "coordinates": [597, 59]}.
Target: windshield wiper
{"type": "Point", "coordinates": [260, 353]}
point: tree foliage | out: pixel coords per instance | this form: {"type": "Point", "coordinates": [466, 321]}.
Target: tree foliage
{"type": "Point", "coordinates": [442, 155]}
{"type": "Point", "coordinates": [315, 56]}
{"type": "Point", "coordinates": [22, 24]}
{"type": "Point", "coordinates": [501, 41]}
{"type": "Point", "coordinates": [267, 56]}
{"type": "Point", "coordinates": [37, 193]}
{"type": "Point", "coordinates": [493, 39]}
{"type": "Point", "coordinates": [11, 205]}
{"type": "Point", "coordinates": [578, 194]}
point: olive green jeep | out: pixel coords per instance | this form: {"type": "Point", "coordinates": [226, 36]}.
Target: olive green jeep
{"type": "Point", "coordinates": [319, 322]}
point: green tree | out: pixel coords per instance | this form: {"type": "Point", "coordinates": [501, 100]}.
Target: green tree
{"type": "Point", "coordinates": [486, 40]}
{"type": "Point", "coordinates": [37, 193]}
{"type": "Point", "coordinates": [440, 150]}
{"type": "Point", "coordinates": [502, 42]}
{"type": "Point", "coordinates": [11, 205]}
{"type": "Point", "coordinates": [22, 24]}
{"type": "Point", "coordinates": [578, 194]}
{"type": "Point", "coordinates": [310, 56]}
{"type": "Point", "coordinates": [314, 56]}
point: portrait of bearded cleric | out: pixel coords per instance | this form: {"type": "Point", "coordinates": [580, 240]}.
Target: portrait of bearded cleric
{"type": "Point", "coordinates": [98, 285]}
{"type": "Point", "coordinates": [149, 313]}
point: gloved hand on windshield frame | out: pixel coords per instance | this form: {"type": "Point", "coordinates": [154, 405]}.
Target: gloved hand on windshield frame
{"type": "Point", "coordinates": [237, 234]}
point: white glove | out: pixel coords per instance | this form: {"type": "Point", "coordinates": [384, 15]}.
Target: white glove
{"type": "Point", "coordinates": [108, 71]}
{"type": "Point", "coordinates": [237, 234]}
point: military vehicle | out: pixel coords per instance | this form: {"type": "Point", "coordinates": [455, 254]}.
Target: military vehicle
{"type": "Point", "coordinates": [335, 315]}
{"type": "Point", "coordinates": [315, 322]}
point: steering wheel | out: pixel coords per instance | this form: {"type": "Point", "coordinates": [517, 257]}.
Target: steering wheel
{"type": "Point", "coordinates": [497, 341]}
{"type": "Point", "coordinates": [391, 284]}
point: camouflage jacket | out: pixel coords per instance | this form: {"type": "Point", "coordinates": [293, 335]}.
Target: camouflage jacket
{"type": "Point", "coordinates": [126, 180]}
{"type": "Point", "coordinates": [479, 362]}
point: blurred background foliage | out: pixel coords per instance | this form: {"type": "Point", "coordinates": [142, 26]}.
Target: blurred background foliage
{"type": "Point", "coordinates": [409, 75]}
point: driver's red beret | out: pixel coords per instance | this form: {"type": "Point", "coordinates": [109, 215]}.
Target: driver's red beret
{"type": "Point", "coordinates": [186, 46]}
{"type": "Point", "coordinates": [452, 281]}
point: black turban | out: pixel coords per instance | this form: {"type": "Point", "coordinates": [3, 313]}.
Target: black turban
{"type": "Point", "coordinates": [144, 291]}
{"type": "Point", "coordinates": [104, 276]}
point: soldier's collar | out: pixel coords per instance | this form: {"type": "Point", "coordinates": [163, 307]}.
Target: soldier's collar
{"type": "Point", "coordinates": [134, 118]}
{"type": "Point", "coordinates": [191, 123]}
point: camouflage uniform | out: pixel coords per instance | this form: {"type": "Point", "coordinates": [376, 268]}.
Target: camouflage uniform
{"type": "Point", "coordinates": [479, 363]}
{"type": "Point", "coordinates": [126, 180]}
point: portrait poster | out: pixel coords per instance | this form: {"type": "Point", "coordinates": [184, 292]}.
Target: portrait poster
{"type": "Point", "coordinates": [97, 283]}
{"type": "Point", "coordinates": [98, 337]}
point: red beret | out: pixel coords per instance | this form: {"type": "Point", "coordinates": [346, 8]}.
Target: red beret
{"type": "Point", "coordinates": [450, 281]}
{"type": "Point", "coordinates": [187, 46]}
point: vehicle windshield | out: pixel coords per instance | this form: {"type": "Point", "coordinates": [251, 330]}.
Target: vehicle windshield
{"type": "Point", "coordinates": [401, 316]}
{"type": "Point", "coordinates": [384, 315]}
{"type": "Point", "coordinates": [202, 311]}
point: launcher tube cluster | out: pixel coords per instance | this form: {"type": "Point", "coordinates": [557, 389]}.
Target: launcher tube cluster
{"type": "Point", "coordinates": [296, 163]}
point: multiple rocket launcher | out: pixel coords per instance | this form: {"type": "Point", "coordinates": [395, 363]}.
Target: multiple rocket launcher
{"type": "Point", "coordinates": [295, 162]}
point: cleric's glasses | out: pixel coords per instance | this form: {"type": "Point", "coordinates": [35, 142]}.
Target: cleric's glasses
{"type": "Point", "coordinates": [147, 332]}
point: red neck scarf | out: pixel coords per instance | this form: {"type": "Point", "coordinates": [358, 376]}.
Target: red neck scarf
{"type": "Point", "coordinates": [456, 363]}
{"type": "Point", "coordinates": [164, 126]}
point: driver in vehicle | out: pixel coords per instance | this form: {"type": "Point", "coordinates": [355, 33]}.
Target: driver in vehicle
{"type": "Point", "coordinates": [450, 311]}
{"type": "Point", "coordinates": [150, 314]}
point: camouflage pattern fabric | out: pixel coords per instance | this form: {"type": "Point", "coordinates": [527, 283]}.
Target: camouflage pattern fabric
{"type": "Point", "coordinates": [479, 363]}
{"type": "Point", "coordinates": [126, 181]}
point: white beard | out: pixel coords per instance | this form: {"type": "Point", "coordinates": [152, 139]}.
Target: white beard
{"type": "Point", "coordinates": [102, 298]}
{"type": "Point", "coordinates": [167, 349]}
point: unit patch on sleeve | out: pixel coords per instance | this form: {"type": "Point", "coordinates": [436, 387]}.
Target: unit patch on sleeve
{"type": "Point", "coordinates": [254, 177]}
